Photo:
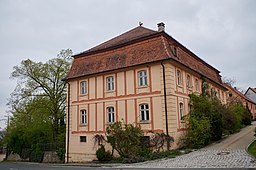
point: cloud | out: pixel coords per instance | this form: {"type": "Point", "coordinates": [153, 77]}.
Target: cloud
{"type": "Point", "coordinates": [220, 32]}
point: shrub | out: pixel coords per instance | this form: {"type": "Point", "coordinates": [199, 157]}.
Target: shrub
{"type": "Point", "coordinates": [103, 155]}
{"type": "Point", "coordinates": [247, 116]}
{"type": "Point", "coordinates": [198, 134]}
{"type": "Point", "coordinates": [61, 154]}
{"type": "Point", "coordinates": [230, 120]}
{"type": "Point", "coordinates": [125, 139]}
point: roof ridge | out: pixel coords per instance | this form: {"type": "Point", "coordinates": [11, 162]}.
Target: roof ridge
{"type": "Point", "coordinates": [123, 38]}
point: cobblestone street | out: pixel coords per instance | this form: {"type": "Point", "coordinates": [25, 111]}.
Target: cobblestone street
{"type": "Point", "coordinates": [228, 153]}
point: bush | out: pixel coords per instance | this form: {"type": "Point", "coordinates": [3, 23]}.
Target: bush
{"type": "Point", "coordinates": [36, 154]}
{"type": "Point", "coordinates": [103, 155]}
{"type": "Point", "coordinates": [61, 154]}
{"type": "Point", "coordinates": [198, 134]}
{"type": "Point", "coordinates": [230, 121]}
{"type": "Point", "coordinates": [125, 139]}
{"type": "Point", "coordinates": [247, 116]}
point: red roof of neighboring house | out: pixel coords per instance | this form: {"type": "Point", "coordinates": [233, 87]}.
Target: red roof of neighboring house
{"type": "Point", "coordinates": [239, 93]}
{"type": "Point", "coordinates": [138, 46]}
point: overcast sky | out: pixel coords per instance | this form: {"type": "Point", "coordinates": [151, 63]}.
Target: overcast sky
{"type": "Point", "coordinates": [222, 33]}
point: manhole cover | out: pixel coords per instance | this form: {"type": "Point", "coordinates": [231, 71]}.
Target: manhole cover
{"type": "Point", "coordinates": [223, 153]}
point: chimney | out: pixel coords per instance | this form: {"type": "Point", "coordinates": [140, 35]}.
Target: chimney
{"type": "Point", "coordinates": [161, 26]}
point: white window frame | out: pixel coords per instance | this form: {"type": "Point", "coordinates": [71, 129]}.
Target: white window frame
{"type": "Point", "coordinates": [144, 112]}
{"type": "Point", "coordinates": [83, 87]}
{"type": "Point", "coordinates": [142, 78]}
{"type": "Point", "coordinates": [179, 77]}
{"type": "Point", "coordinates": [110, 114]}
{"type": "Point", "coordinates": [181, 110]}
{"type": "Point", "coordinates": [110, 83]}
{"type": "Point", "coordinates": [83, 117]}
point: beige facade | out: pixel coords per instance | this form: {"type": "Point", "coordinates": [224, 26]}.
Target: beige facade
{"type": "Point", "coordinates": [126, 98]}
{"type": "Point", "coordinates": [133, 78]}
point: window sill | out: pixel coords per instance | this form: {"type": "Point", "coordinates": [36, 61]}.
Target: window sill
{"type": "Point", "coordinates": [142, 87]}
{"type": "Point", "coordinates": [181, 86]}
{"type": "Point", "coordinates": [82, 95]}
{"type": "Point", "coordinates": [144, 122]}
{"type": "Point", "coordinates": [83, 125]}
{"type": "Point", "coordinates": [109, 91]}
{"type": "Point", "coordinates": [110, 123]}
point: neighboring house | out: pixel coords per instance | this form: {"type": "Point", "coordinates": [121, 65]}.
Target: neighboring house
{"type": "Point", "coordinates": [142, 77]}
{"type": "Point", "coordinates": [251, 94]}
{"type": "Point", "coordinates": [234, 96]}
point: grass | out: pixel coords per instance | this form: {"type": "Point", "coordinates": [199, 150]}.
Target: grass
{"type": "Point", "coordinates": [252, 149]}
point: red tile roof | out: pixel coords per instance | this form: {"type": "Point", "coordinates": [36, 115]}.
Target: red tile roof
{"type": "Point", "coordinates": [136, 33]}
{"type": "Point", "coordinates": [238, 93]}
{"type": "Point", "coordinates": [137, 46]}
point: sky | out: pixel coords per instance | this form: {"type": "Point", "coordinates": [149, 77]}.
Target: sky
{"type": "Point", "coordinates": [222, 33]}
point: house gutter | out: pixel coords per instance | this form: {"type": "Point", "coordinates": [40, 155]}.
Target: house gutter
{"type": "Point", "coordinates": [165, 106]}
{"type": "Point", "coordinates": [68, 122]}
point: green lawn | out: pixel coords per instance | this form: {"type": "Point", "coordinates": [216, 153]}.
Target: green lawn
{"type": "Point", "coordinates": [252, 149]}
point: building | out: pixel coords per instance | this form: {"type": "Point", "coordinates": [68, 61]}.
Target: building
{"type": "Point", "coordinates": [251, 94]}
{"type": "Point", "coordinates": [234, 96]}
{"type": "Point", "coordinates": [141, 76]}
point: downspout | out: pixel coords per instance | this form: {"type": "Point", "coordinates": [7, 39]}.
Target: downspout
{"type": "Point", "coordinates": [165, 106]}
{"type": "Point", "coordinates": [68, 121]}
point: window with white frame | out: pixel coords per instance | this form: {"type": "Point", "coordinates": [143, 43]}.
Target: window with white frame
{"type": "Point", "coordinates": [188, 81]}
{"type": "Point", "coordinates": [83, 86]}
{"type": "Point", "coordinates": [144, 112]}
{"type": "Point", "coordinates": [110, 114]}
{"type": "Point", "coordinates": [178, 77]}
{"type": "Point", "coordinates": [142, 77]}
{"type": "Point", "coordinates": [83, 117]}
{"type": "Point", "coordinates": [181, 111]}
{"type": "Point", "coordinates": [110, 83]}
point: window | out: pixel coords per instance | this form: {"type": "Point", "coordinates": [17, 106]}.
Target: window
{"type": "Point", "coordinates": [110, 83]}
{"type": "Point", "coordinates": [82, 138]}
{"type": "Point", "coordinates": [174, 50]}
{"type": "Point", "coordinates": [197, 85]}
{"type": "Point", "coordinates": [144, 112]}
{"type": "Point", "coordinates": [178, 77]}
{"type": "Point", "coordinates": [110, 114]}
{"type": "Point", "coordinates": [83, 86]}
{"type": "Point", "coordinates": [142, 76]}
{"type": "Point", "coordinates": [145, 141]}
{"type": "Point", "coordinates": [229, 94]}
{"type": "Point", "coordinates": [181, 110]}
{"type": "Point", "coordinates": [83, 117]}
{"type": "Point", "coordinates": [188, 81]}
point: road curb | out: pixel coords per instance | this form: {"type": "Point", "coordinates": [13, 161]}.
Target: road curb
{"type": "Point", "coordinates": [248, 147]}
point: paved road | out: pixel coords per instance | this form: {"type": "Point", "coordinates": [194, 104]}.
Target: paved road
{"type": "Point", "coordinates": [229, 153]}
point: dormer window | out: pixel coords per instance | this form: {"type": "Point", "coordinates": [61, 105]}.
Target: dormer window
{"type": "Point", "coordinates": [174, 50]}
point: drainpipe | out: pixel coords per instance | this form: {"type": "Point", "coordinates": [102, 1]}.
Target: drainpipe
{"type": "Point", "coordinates": [68, 121]}
{"type": "Point", "coordinates": [165, 106]}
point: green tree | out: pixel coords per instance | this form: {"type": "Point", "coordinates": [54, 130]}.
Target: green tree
{"type": "Point", "coordinates": [37, 106]}
{"type": "Point", "coordinates": [37, 79]}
